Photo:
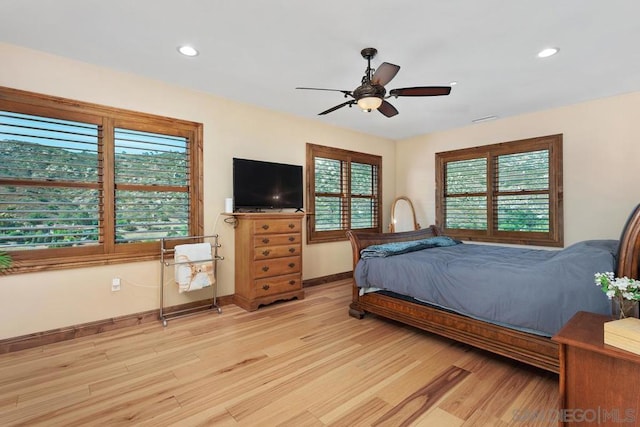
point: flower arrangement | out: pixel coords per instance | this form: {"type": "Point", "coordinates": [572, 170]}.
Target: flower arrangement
{"type": "Point", "coordinates": [624, 292]}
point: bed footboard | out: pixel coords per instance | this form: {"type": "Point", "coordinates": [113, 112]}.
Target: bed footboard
{"type": "Point", "coordinates": [528, 348]}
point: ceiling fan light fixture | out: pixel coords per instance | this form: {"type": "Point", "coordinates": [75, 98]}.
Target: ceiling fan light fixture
{"type": "Point", "coordinates": [369, 103]}
{"type": "Point", "coordinates": [371, 94]}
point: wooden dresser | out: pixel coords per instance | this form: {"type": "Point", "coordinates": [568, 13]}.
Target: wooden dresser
{"type": "Point", "coordinates": [268, 258]}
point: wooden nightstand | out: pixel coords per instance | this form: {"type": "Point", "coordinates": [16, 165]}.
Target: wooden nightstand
{"type": "Point", "coordinates": [598, 383]}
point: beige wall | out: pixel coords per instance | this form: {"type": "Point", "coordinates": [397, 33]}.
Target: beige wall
{"type": "Point", "coordinates": [601, 149]}
{"type": "Point", "coordinates": [43, 301]}
{"type": "Point", "coordinates": [601, 152]}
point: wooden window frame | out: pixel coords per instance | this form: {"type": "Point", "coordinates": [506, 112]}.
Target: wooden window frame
{"type": "Point", "coordinates": [313, 151]}
{"type": "Point", "coordinates": [555, 235]}
{"type": "Point", "coordinates": [107, 251]}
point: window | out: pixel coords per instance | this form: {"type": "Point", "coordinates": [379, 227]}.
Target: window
{"type": "Point", "coordinates": [509, 192]}
{"type": "Point", "coordinates": [344, 192]}
{"type": "Point", "coordinates": [83, 184]}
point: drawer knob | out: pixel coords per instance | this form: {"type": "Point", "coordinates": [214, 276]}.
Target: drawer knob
{"type": "Point", "coordinates": [266, 286]}
{"type": "Point", "coordinates": [265, 268]}
{"type": "Point", "coordinates": [291, 239]}
{"type": "Point", "coordinates": [292, 282]}
{"type": "Point", "coordinates": [266, 252]}
{"type": "Point", "coordinates": [292, 264]}
{"type": "Point", "coordinates": [292, 250]}
{"type": "Point", "coordinates": [292, 225]}
{"type": "Point", "coordinates": [265, 241]}
{"type": "Point", "coordinates": [265, 227]}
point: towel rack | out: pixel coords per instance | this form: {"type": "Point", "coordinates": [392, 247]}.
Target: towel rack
{"type": "Point", "coordinates": [165, 251]}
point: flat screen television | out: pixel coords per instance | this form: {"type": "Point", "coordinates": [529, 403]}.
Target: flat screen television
{"type": "Point", "coordinates": [259, 185]}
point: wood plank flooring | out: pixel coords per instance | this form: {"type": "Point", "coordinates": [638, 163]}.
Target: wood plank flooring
{"type": "Point", "coordinates": [297, 363]}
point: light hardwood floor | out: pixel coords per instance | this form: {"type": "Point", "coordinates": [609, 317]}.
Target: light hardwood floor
{"type": "Point", "coordinates": [297, 363]}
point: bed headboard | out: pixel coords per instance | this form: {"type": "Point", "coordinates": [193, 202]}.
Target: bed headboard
{"type": "Point", "coordinates": [361, 239]}
{"type": "Point", "coordinates": [628, 256]}
{"type": "Point", "coordinates": [629, 247]}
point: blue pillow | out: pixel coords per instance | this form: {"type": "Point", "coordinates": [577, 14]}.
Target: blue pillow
{"type": "Point", "coordinates": [397, 248]}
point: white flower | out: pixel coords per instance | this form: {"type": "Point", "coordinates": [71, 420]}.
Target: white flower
{"type": "Point", "coordinates": [621, 284]}
{"type": "Point", "coordinates": [618, 287]}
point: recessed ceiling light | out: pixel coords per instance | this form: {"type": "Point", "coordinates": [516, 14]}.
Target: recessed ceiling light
{"type": "Point", "coordinates": [550, 51]}
{"type": "Point", "coordinates": [187, 50]}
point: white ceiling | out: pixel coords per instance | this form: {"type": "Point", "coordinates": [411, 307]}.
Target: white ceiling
{"type": "Point", "coordinates": [257, 52]}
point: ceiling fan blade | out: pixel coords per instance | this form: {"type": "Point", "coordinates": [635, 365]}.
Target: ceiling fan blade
{"type": "Point", "coordinates": [421, 91]}
{"type": "Point", "coordinates": [387, 109]}
{"type": "Point", "coordinates": [337, 107]}
{"type": "Point", "coordinates": [346, 92]}
{"type": "Point", "coordinates": [385, 73]}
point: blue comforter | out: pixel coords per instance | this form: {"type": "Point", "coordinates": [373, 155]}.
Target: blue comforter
{"type": "Point", "coordinates": [533, 290]}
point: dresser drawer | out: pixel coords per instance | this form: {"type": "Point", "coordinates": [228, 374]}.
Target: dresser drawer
{"type": "Point", "coordinates": [276, 239]}
{"type": "Point", "coordinates": [268, 252]}
{"type": "Point", "coordinates": [276, 285]}
{"type": "Point", "coordinates": [263, 226]}
{"type": "Point", "coordinates": [276, 266]}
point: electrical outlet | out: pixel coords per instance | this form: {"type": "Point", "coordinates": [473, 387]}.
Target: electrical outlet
{"type": "Point", "coordinates": [115, 284]}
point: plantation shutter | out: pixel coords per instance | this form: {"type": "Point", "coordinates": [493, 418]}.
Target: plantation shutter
{"type": "Point", "coordinates": [522, 191]}
{"type": "Point", "coordinates": [466, 194]}
{"type": "Point", "coordinates": [83, 184]}
{"type": "Point", "coordinates": [50, 171]}
{"type": "Point", "coordinates": [344, 192]}
{"type": "Point", "coordinates": [151, 185]}
{"type": "Point", "coordinates": [364, 197]}
{"type": "Point", "coordinates": [509, 192]}
{"type": "Point", "coordinates": [330, 205]}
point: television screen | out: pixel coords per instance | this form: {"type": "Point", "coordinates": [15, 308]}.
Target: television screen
{"type": "Point", "coordinates": [265, 185]}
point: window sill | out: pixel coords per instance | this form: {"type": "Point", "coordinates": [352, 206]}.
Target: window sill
{"type": "Point", "coordinates": [52, 264]}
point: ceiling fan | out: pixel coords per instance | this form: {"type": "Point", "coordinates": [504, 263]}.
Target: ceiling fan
{"type": "Point", "coordinates": [371, 94]}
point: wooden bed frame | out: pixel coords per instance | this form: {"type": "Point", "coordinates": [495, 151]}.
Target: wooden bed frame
{"type": "Point", "coordinates": [524, 347]}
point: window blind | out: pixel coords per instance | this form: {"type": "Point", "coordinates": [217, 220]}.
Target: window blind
{"type": "Point", "coordinates": [466, 199]}
{"type": "Point", "coordinates": [49, 182]}
{"type": "Point", "coordinates": [152, 186]}
{"type": "Point", "coordinates": [507, 192]}
{"type": "Point", "coordinates": [364, 200]}
{"type": "Point", "coordinates": [522, 199]}
{"type": "Point", "coordinates": [344, 193]}
{"type": "Point", "coordinates": [330, 206]}
{"type": "Point", "coordinates": [83, 184]}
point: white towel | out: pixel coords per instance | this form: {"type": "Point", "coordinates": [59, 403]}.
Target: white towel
{"type": "Point", "coordinates": [193, 266]}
